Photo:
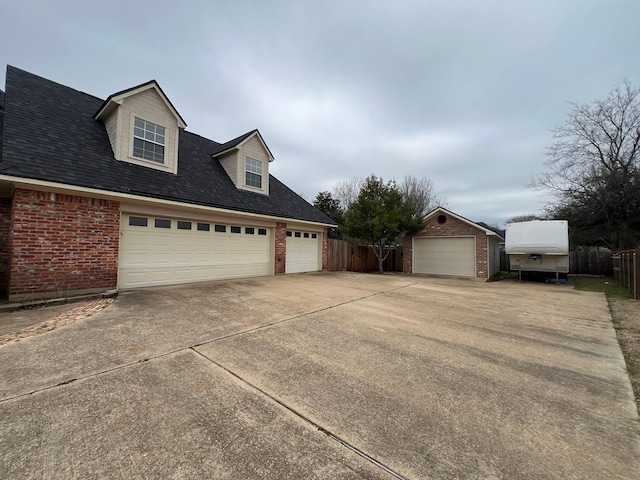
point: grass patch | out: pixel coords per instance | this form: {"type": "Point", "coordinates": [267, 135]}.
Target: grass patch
{"type": "Point", "coordinates": [625, 315]}
{"type": "Point", "coordinates": [496, 277]}
{"type": "Point", "coordinates": [611, 288]}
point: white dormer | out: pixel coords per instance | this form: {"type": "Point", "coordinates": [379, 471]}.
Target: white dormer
{"type": "Point", "coordinates": [246, 160]}
{"type": "Point", "coordinates": [143, 127]}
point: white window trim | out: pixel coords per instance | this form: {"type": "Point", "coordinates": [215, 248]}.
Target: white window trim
{"type": "Point", "coordinates": [261, 188]}
{"type": "Point", "coordinates": [170, 165]}
{"type": "Point", "coordinates": [145, 139]}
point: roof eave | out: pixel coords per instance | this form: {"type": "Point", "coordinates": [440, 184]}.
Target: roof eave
{"type": "Point", "coordinates": [117, 98]}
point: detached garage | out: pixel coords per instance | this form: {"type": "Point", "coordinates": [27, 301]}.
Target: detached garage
{"type": "Point", "coordinates": [451, 245]}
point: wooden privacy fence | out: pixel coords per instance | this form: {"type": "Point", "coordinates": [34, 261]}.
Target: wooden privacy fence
{"type": "Point", "coordinates": [591, 261]}
{"type": "Point", "coordinates": [346, 256]}
{"type": "Point", "coordinates": [625, 270]}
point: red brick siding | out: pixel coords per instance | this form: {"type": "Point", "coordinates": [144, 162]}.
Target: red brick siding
{"type": "Point", "coordinates": [62, 243]}
{"type": "Point", "coordinates": [451, 228]}
{"type": "Point", "coordinates": [5, 229]}
{"type": "Point", "coordinates": [407, 254]}
{"type": "Point", "coordinates": [281, 248]}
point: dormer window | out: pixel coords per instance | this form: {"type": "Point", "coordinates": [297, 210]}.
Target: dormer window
{"type": "Point", "coordinates": [148, 141]}
{"type": "Point", "coordinates": [253, 173]}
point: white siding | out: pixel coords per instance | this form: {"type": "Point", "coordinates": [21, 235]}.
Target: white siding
{"type": "Point", "coordinates": [230, 164]}
{"type": "Point", "coordinates": [112, 130]}
{"type": "Point", "coordinates": [148, 105]}
{"type": "Point", "coordinates": [253, 148]}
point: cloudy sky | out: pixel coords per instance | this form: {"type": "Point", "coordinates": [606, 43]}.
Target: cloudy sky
{"type": "Point", "coordinates": [463, 92]}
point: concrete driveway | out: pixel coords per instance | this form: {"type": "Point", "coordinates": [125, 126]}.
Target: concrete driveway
{"type": "Point", "coordinates": [325, 376]}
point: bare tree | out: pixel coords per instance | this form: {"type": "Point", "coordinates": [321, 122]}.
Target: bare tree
{"type": "Point", "coordinates": [420, 192]}
{"type": "Point", "coordinates": [593, 166]}
{"type": "Point", "coordinates": [346, 191]}
{"type": "Point", "coordinates": [524, 218]}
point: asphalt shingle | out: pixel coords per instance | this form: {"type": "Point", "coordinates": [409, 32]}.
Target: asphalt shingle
{"type": "Point", "coordinates": [50, 134]}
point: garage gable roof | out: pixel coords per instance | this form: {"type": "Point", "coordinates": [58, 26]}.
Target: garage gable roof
{"type": "Point", "coordinates": [51, 135]}
{"type": "Point", "coordinates": [480, 225]}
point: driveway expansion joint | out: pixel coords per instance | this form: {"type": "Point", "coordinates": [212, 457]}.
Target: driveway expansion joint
{"type": "Point", "coordinates": [304, 418]}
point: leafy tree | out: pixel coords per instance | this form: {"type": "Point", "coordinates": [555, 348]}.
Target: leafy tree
{"type": "Point", "coordinates": [332, 208]}
{"type": "Point", "coordinates": [380, 215]}
{"type": "Point", "coordinates": [594, 169]}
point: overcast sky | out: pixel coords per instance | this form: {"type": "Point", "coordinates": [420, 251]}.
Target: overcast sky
{"type": "Point", "coordinates": [461, 92]}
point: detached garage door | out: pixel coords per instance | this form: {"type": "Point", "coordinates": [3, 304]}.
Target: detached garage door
{"type": "Point", "coordinates": [455, 256]}
{"type": "Point", "coordinates": [165, 251]}
{"type": "Point", "coordinates": [303, 252]}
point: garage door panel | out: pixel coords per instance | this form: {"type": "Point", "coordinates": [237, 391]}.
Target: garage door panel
{"type": "Point", "coordinates": [154, 256]}
{"type": "Point", "coordinates": [303, 253]}
{"type": "Point", "coordinates": [454, 256]}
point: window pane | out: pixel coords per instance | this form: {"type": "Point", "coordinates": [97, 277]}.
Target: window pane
{"type": "Point", "coordinates": [162, 223]}
{"type": "Point", "coordinates": [253, 180]}
{"type": "Point", "coordinates": [262, 231]}
{"type": "Point", "coordinates": [306, 235]}
{"type": "Point", "coordinates": [236, 230]}
{"type": "Point", "coordinates": [220, 228]}
{"type": "Point", "coordinates": [314, 235]}
{"type": "Point", "coordinates": [289, 234]}
{"type": "Point", "coordinates": [138, 122]}
{"type": "Point", "coordinates": [297, 234]}
{"type": "Point", "coordinates": [138, 221]}
{"type": "Point", "coordinates": [204, 227]}
{"type": "Point", "coordinates": [184, 225]}
{"type": "Point", "coordinates": [249, 230]}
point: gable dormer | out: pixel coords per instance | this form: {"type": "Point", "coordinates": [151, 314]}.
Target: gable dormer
{"type": "Point", "coordinates": [246, 160]}
{"type": "Point", "coordinates": [143, 127]}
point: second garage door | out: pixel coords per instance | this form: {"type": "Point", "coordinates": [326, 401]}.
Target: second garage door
{"type": "Point", "coordinates": [454, 256]}
{"type": "Point", "coordinates": [303, 252]}
{"type": "Point", "coordinates": [166, 251]}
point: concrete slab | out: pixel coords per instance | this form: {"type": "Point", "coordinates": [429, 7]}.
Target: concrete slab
{"type": "Point", "coordinates": [447, 379]}
{"type": "Point", "coordinates": [144, 323]}
{"type": "Point", "coordinates": [174, 417]}
{"type": "Point", "coordinates": [328, 375]}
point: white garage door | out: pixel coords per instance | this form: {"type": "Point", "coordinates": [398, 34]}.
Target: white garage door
{"type": "Point", "coordinates": [453, 256]}
{"type": "Point", "coordinates": [303, 252]}
{"type": "Point", "coordinates": [165, 251]}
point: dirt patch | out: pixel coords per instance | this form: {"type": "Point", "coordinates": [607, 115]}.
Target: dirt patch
{"type": "Point", "coordinates": [626, 319]}
{"type": "Point", "coordinates": [45, 321]}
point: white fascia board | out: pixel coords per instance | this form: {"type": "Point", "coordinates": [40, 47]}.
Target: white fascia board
{"type": "Point", "coordinates": [42, 185]}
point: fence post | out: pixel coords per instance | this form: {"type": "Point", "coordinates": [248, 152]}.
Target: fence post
{"type": "Point", "coordinates": [635, 278]}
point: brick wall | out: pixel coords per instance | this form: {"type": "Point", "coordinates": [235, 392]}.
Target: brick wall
{"type": "Point", "coordinates": [452, 227]}
{"type": "Point", "coordinates": [5, 229]}
{"type": "Point", "coordinates": [281, 248]}
{"type": "Point", "coordinates": [62, 244]}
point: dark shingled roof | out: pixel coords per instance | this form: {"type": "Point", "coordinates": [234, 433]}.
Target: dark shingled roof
{"type": "Point", "coordinates": [1, 119]}
{"type": "Point", "coordinates": [50, 134]}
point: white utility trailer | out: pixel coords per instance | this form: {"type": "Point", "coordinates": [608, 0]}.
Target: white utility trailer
{"type": "Point", "coordinates": [538, 246]}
